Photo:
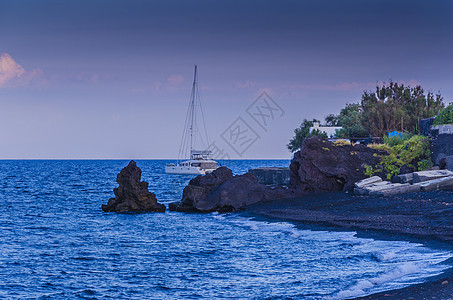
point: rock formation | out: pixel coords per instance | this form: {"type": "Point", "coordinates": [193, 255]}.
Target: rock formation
{"type": "Point", "coordinates": [442, 146]}
{"type": "Point", "coordinates": [223, 192]}
{"type": "Point", "coordinates": [132, 195]}
{"type": "Point", "coordinates": [321, 165]}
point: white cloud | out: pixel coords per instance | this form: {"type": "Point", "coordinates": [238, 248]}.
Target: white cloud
{"type": "Point", "coordinates": [13, 75]}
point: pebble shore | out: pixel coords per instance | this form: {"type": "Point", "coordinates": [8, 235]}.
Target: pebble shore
{"type": "Point", "coordinates": [424, 217]}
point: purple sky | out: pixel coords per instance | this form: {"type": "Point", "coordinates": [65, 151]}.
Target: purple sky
{"type": "Point", "coordinates": [112, 79]}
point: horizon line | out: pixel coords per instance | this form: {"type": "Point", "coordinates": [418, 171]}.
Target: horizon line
{"type": "Point", "coordinates": [5, 159]}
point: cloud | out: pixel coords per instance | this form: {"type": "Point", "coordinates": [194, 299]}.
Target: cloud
{"type": "Point", "coordinates": [13, 75]}
{"type": "Point", "coordinates": [172, 84]}
{"type": "Point", "coordinates": [410, 82]}
{"type": "Point", "coordinates": [9, 69]}
{"type": "Point", "coordinates": [344, 86]}
{"type": "Point", "coordinates": [88, 77]}
{"type": "Point", "coordinates": [347, 86]}
{"type": "Point", "coordinates": [175, 79]}
{"type": "Point", "coordinates": [245, 84]}
{"type": "Point", "coordinates": [268, 90]}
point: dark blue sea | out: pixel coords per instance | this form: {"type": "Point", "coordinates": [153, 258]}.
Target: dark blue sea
{"type": "Point", "coordinates": [56, 243]}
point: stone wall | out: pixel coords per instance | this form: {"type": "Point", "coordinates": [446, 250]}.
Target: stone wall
{"type": "Point", "coordinates": [442, 145]}
{"type": "Point", "coordinates": [272, 176]}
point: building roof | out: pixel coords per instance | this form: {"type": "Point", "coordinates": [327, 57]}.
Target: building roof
{"type": "Point", "coordinates": [329, 130]}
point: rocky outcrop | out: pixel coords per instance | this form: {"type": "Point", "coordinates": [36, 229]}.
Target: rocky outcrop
{"type": "Point", "coordinates": [196, 194]}
{"type": "Point", "coordinates": [321, 165]}
{"type": "Point", "coordinates": [132, 195]}
{"type": "Point", "coordinates": [442, 146]}
{"type": "Point", "coordinates": [223, 192]}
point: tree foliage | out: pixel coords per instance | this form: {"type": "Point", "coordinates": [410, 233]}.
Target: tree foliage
{"type": "Point", "coordinates": [391, 107]}
{"type": "Point", "coordinates": [331, 120]}
{"type": "Point", "coordinates": [302, 133]}
{"type": "Point", "coordinates": [397, 107]}
{"type": "Point", "coordinates": [445, 116]}
{"type": "Point", "coordinates": [350, 118]}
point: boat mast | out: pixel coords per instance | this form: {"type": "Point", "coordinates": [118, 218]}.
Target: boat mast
{"type": "Point", "coordinates": [192, 108]}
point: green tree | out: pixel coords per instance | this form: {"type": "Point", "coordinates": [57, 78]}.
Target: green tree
{"type": "Point", "coordinates": [302, 133]}
{"type": "Point", "coordinates": [331, 120]}
{"type": "Point", "coordinates": [397, 107]}
{"type": "Point", "coordinates": [350, 118]}
{"type": "Point", "coordinates": [445, 116]}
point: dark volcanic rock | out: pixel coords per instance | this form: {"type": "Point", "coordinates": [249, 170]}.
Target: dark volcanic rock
{"type": "Point", "coordinates": [321, 165]}
{"type": "Point", "coordinates": [132, 195]}
{"type": "Point", "coordinates": [223, 192]}
{"type": "Point", "coordinates": [442, 150]}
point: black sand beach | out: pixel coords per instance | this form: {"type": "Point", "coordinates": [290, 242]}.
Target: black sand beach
{"type": "Point", "coordinates": [423, 217]}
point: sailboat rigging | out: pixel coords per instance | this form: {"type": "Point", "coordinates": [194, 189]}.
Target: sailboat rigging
{"type": "Point", "coordinates": [196, 161]}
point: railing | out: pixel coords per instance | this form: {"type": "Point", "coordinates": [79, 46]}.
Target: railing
{"type": "Point", "coordinates": [395, 134]}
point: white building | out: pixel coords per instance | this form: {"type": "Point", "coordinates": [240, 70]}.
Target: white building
{"type": "Point", "coordinates": [329, 130]}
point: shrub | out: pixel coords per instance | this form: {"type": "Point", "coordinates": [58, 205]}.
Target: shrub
{"type": "Point", "coordinates": [384, 147]}
{"type": "Point", "coordinates": [394, 140]}
{"type": "Point", "coordinates": [414, 153]}
{"type": "Point", "coordinates": [341, 142]}
{"type": "Point", "coordinates": [445, 116]}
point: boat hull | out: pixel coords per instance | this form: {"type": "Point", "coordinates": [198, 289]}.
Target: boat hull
{"type": "Point", "coordinates": [184, 170]}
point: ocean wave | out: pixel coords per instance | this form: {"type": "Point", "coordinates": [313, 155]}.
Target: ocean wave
{"type": "Point", "coordinates": [364, 286]}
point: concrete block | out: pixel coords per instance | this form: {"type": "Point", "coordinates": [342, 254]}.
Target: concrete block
{"type": "Point", "coordinates": [403, 178]}
{"type": "Point", "coordinates": [445, 183]}
{"type": "Point", "coordinates": [272, 176]}
{"type": "Point", "coordinates": [399, 190]}
{"type": "Point", "coordinates": [367, 181]}
{"type": "Point", "coordinates": [389, 189]}
{"type": "Point", "coordinates": [430, 175]}
{"type": "Point", "coordinates": [369, 189]}
{"type": "Point", "coordinates": [443, 129]}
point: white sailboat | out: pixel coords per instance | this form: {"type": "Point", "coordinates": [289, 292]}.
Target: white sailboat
{"type": "Point", "coordinates": [196, 161]}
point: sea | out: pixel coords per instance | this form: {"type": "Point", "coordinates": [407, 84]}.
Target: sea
{"type": "Point", "coordinates": [57, 243]}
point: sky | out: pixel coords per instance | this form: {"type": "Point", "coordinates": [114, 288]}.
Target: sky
{"type": "Point", "coordinates": [108, 79]}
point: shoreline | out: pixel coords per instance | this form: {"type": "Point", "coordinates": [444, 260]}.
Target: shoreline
{"type": "Point", "coordinates": [425, 218]}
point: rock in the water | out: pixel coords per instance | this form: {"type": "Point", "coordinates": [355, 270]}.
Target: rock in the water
{"type": "Point", "coordinates": [238, 192]}
{"type": "Point", "coordinates": [223, 192]}
{"type": "Point", "coordinates": [321, 165]}
{"type": "Point", "coordinates": [173, 206]}
{"type": "Point", "coordinates": [196, 193]}
{"type": "Point", "coordinates": [132, 195]}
